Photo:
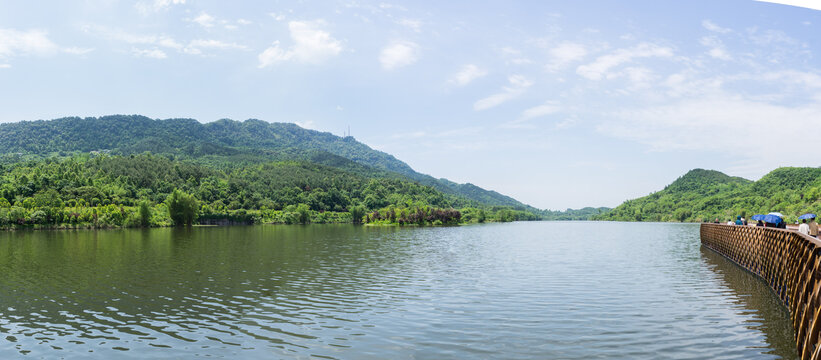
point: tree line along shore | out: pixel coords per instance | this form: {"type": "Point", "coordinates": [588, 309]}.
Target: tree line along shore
{"type": "Point", "coordinates": [147, 190]}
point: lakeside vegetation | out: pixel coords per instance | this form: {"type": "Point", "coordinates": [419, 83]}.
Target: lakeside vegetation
{"type": "Point", "coordinates": [132, 171]}
{"type": "Point", "coordinates": [224, 144]}
{"type": "Point", "coordinates": [704, 195]}
{"type": "Point", "coordinates": [103, 191]}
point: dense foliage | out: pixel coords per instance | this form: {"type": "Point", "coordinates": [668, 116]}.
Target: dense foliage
{"type": "Point", "coordinates": [157, 190]}
{"type": "Point", "coordinates": [182, 208]}
{"type": "Point", "coordinates": [704, 195]}
{"type": "Point", "coordinates": [220, 144]}
{"type": "Point", "coordinates": [587, 213]}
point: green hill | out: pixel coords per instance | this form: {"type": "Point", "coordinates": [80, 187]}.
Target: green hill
{"type": "Point", "coordinates": [703, 195]}
{"type": "Point", "coordinates": [587, 213]}
{"type": "Point", "coordinates": [223, 143]}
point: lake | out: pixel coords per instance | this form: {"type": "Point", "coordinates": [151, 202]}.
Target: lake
{"type": "Point", "coordinates": [530, 290]}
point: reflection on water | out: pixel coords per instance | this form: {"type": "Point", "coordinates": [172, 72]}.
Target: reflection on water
{"type": "Point", "coordinates": [522, 290]}
{"type": "Point", "coordinates": [754, 297]}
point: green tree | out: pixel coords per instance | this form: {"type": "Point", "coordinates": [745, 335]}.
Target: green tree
{"type": "Point", "coordinates": [182, 208]}
{"type": "Point", "coordinates": [144, 214]}
{"type": "Point", "coordinates": [357, 212]}
{"type": "Point", "coordinates": [17, 215]}
{"type": "Point", "coordinates": [39, 217]}
{"type": "Point", "coordinates": [303, 213]}
{"type": "Point", "coordinates": [48, 198]}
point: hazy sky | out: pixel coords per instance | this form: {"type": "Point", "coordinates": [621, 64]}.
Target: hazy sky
{"type": "Point", "coordinates": [556, 103]}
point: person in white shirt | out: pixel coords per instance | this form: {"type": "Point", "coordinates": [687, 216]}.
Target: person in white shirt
{"type": "Point", "coordinates": [804, 228]}
{"type": "Point", "coordinates": [730, 222]}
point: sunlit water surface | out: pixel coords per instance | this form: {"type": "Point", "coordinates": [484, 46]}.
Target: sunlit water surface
{"type": "Point", "coordinates": [540, 290]}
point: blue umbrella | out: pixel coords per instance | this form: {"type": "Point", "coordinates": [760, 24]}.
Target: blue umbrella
{"type": "Point", "coordinates": [757, 217]}
{"type": "Point", "coordinates": [806, 216]}
{"type": "Point", "coordinates": [772, 219]}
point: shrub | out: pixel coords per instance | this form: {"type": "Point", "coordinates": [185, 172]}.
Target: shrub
{"type": "Point", "coordinates": [39, 217]}
{"type": "Point", "coordinates": [357, 212]}
{"type": "Point", "coordinates": [182, 208]}
{"type": "Point", "coordinates": [144, 214]}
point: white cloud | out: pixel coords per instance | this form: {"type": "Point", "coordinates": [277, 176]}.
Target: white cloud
{"type": "Point", "coordinates": [23, 43]}
{"type": "Point", "coordinates": [565, 54]}
{"type": "Point", "coordinates": [518, 84]}
{"type": "Point", "coordinates": [77, 50]}
{"type": "Point", "coordinates": [133, 39]}
{"type": "Point", "coordinates": [168, 42]}
{"type": "Point", "coordinates": [197, 46]}
{"type": "Point", "coordinates": [809, 4]}
{"type": "Point", "coordinates": [307, 124]}
{"type": "Point", "coordinates": [771, 37]}
{"type": "Point", "coordinates": [16, 43]}
{"type": "Point", "coordinates": [146, 7]}
{"type": "Point", "coordinates": [467, 74]}
{"type": "Point", "coordinates": [514, 56]}
{"type": "Point", "coordinates": [244, 22]}
{"type": "Point", "coordinates": [539, 111]}
{"type": "Point", "coordinates": [204, 20]}
{"type": "Point", "coordinates": [412, 24]}
{"type": "Point", "coordinates": [311, 45]}
{"type": "Point", "coordinates": [761, 135]}
{"type": "Point", "coordinates": [149, 53]}
{"type": "Point", "coordinates": [791, 77]}
{"type": "Point", "coordinates": [686, 83]}
{"type": "Point", "coordinates": [709, 25]}
{"type": "Point", "coordinates": [399, 54]}
{"type": "Point", "coordinates": [273, 55]}
{"type": "Point", "coordinates": [603, 64]}
{"type": "Point", "coordinates": [566, 123]}
{"type": "Point", "coordinates": [151, 45]}
{"type": "Point", "coordinates": [639, 77]}
{"type": "Point", "coordinates": [386, 6]}
{"type": "Point", "coordinates": [717, 49]}
{"type": "Point", "coordinates": [531, 113]}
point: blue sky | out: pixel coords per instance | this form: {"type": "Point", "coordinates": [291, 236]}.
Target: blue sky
{"type": "Point", "coordinates": [556, 103]}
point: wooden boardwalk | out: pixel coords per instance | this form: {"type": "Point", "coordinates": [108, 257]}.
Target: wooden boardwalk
{"type": "Point", "coordinates": [790, 262]}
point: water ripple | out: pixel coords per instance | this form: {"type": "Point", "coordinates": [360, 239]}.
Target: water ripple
{"type": "Point", "coordinates": [513, 291]}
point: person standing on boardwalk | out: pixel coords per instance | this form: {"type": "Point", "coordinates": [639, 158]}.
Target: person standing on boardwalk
{"type": "Point", "coordinates": [804, 228]}
{"type": "Point", "coordinates": [813, 228]}
{"type": "Point", "coordinates": [738, 220]}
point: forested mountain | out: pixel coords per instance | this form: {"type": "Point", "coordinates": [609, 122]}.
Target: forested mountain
{"type": "Point", "coordinates": [587, 213]}
{"type": "Point", "coordinates": [703, 195]}
{"type": "Point", "coordinates": [222, 143]}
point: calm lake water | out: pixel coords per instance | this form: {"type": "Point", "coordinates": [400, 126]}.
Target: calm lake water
{"type": "Point", "coordinates": [539, 290]}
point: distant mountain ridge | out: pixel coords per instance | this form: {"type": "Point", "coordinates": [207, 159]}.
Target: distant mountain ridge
{"type": "Point", "coordinates": [248, 140]}
{"type": "Point", "coordinates": [704, 195]}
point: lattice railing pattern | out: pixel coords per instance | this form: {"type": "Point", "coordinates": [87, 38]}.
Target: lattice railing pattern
{"type": "Point", "coordinates": [789, 261]}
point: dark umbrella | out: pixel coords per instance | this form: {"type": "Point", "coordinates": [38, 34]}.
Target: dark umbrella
{"type": "Point", "coordinates": [758, 217]}
{"type": "Point", "coordinates": [806, 216]}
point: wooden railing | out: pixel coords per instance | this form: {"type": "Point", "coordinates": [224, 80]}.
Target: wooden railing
{"type": "Point", "coordinates": [789, 261]}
